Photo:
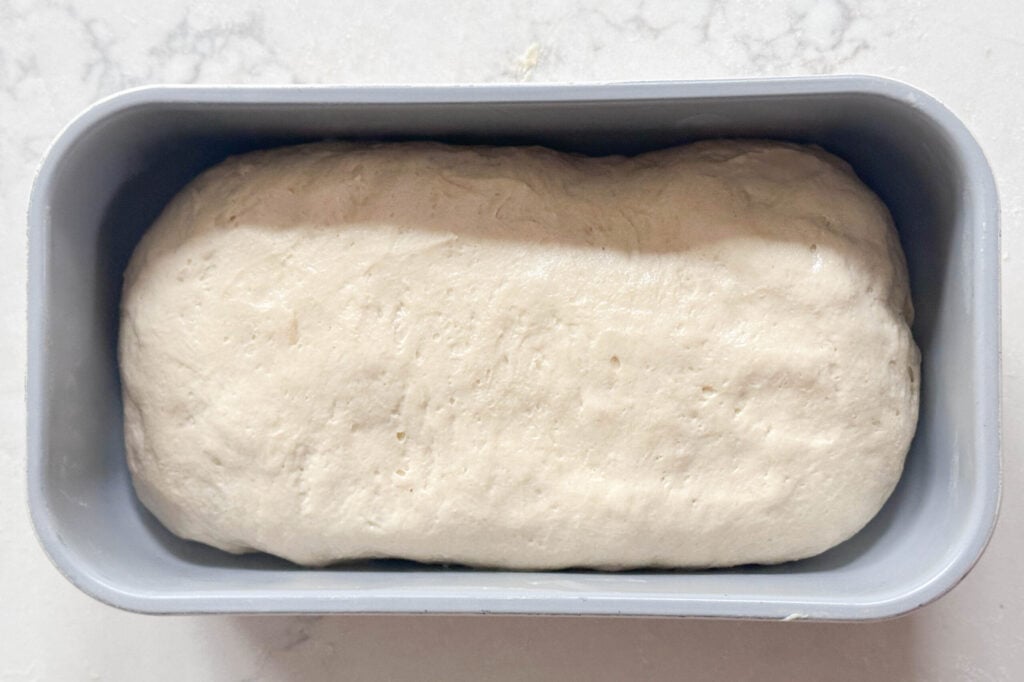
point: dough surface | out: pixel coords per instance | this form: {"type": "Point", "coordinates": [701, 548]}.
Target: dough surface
{"type": "Point", "coordinates": [519, 358]}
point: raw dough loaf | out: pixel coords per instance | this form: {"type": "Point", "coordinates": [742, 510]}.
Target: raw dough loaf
{"type": "Point", "coordinates": [520, 358]}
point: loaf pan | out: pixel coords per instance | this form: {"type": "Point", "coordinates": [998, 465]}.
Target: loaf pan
{"type": "Point", "coordinates": [110, 172]}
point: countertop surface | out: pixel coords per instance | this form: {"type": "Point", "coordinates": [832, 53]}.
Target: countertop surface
{"type": "Point", "coordinates": [57, 57]}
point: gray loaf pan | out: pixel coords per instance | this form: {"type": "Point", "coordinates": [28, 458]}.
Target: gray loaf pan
{"type": "Point", "coordinates": [108, 175]}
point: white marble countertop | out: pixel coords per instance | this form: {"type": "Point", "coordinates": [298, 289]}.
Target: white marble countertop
{"type": "Point", "coordinates": [58, 56]}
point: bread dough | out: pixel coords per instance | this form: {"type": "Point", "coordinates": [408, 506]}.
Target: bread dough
{"type": "Point", "coordinates": [520, 358]}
